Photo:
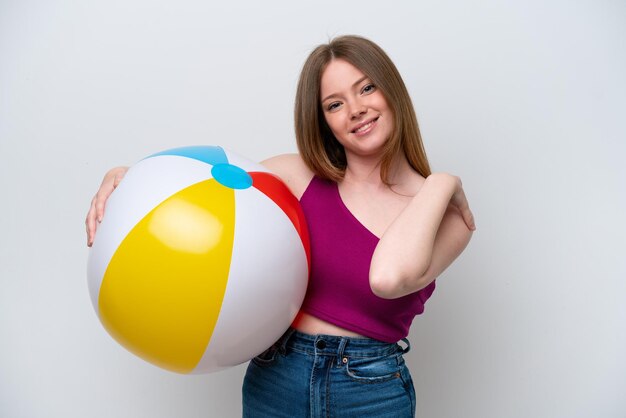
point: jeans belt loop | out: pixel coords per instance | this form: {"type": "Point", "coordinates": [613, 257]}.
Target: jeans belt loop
{"type": "Point", "coordinates": [342, 346]}
{"type": "Point", "coordinates": [408, 346]}
{"type": "Point", "coordinates": [282, 342]}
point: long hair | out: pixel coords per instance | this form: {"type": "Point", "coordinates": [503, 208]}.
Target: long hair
{"type": "Point", "coordinates": [319, 148]}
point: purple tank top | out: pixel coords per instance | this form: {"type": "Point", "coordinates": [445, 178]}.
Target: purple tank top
{"type": "Point", "coordinates": [341, 253]}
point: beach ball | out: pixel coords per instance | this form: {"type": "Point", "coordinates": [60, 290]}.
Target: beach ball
{"type": "Point", "coordinates": [201, 261]}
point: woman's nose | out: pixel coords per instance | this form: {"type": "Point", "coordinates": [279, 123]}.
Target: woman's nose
{"type": "Point", "coordinates": [358, 110]}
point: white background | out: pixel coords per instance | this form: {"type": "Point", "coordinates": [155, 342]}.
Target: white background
{"type": "Point", "coordinates": [525, 100]}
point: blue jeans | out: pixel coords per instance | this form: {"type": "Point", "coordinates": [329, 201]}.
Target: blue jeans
{"type": "Point", "coordinates": [326, 376]}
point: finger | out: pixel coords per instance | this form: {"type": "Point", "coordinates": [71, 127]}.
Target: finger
{"type": "Point", "coordinates": [460, 201]}
{"type": "Point", "coordinates": [89, 238]}
{"type": "Point", "coordinates": [109, 184]}
{"type": "Point", "coordinates": [116, 181]}
{"type": "Point", "coordinates": [90, 222]}
{"type": "Point", "coordinates": [468, 217]}
{"type": "Point", "coordinates": [100, 200]}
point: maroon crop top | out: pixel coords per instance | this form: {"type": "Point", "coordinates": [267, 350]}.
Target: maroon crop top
{"type": "Point", "coordinates": [341, 252]}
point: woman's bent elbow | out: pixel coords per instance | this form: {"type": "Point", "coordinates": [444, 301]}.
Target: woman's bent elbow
{"type": "Point", "coordinates": [391, 286]}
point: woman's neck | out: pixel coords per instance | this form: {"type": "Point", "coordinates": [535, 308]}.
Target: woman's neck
{"type": "Point", "coordinates": [367, 172]}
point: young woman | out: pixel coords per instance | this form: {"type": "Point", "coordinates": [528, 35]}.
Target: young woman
{"type": "Point", "coordinates": [382, 228]}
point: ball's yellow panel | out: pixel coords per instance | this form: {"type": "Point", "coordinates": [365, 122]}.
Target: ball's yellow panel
{"type": "Point", "coordinates": [163, 289]}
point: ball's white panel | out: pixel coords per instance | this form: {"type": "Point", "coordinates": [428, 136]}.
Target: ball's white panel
{"type": "Point", "coordinates": [266, 286]}
{"type": "Point", "coordinates": [145, 185]}
{"type": "Point", "coordinates": [243, 162]}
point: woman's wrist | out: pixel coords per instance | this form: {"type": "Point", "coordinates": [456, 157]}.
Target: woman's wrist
{"type": "Point", "coordinates": [440, 183]}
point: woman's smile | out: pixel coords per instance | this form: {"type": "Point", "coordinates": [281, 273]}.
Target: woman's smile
{"type": "Point", "coordinates": [365, 127]}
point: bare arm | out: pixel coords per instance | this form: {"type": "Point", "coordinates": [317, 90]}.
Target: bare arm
{"type": "Point", "coordinates": [424, 239]}
{"type": "Point", "coordinates": [291, 170]}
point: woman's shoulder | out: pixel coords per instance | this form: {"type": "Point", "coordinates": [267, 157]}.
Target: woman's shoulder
{"type": "Point", "coordinates": [292, 170]}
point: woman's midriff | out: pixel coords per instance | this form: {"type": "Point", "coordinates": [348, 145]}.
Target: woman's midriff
{"type": "Point", "coordinates": [311, 325]}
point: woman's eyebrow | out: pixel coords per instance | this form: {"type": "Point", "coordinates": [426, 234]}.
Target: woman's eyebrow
{"type": "Point", "coordinates": [353, 84]}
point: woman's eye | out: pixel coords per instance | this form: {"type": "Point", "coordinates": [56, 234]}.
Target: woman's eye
{"type": "Point", "coordinates": [333, 106]}
{"type": "Point", "coordinates": [368, 88]}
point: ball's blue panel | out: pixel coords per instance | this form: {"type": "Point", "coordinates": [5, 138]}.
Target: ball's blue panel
{"type": "Point", "coordinates": [206, 153]}
{"type": "Point", "coordinates": [231, 176]}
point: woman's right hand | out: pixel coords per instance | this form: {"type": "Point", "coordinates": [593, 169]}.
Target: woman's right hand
{"type": "Point", "coordinates": [96, 211]}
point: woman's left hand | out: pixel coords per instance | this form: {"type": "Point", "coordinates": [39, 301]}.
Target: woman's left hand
{"type": "Point", "coordinates": [459, 200]}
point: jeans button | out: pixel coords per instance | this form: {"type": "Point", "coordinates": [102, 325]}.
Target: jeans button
{"type": "Point", "coordinates": [321, 344]}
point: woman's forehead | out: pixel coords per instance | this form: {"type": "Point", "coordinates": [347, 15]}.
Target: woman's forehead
{"type": "Point", "coordinates": [338, 76]}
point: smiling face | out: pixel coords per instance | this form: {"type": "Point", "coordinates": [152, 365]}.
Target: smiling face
{"type": "Point", "coordinates": [355, 110]}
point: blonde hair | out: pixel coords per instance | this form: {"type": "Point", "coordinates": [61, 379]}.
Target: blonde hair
{"type": "Point", "coordinates": [318, 146]}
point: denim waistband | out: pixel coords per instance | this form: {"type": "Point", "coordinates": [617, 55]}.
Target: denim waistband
{"type": "Point", "coordinates": [333, 345]}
